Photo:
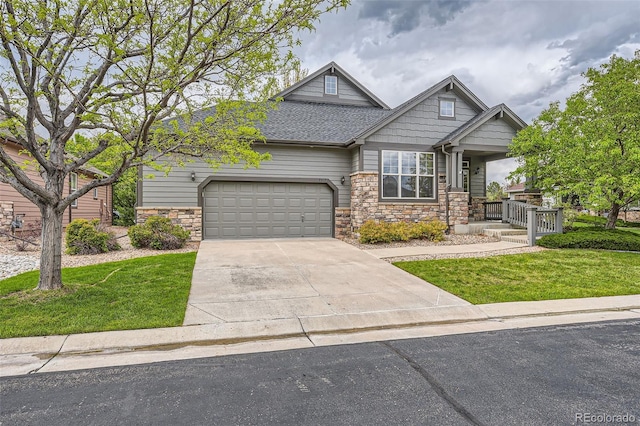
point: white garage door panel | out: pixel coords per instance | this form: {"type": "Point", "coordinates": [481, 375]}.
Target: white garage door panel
{"type": "Point", "coordinates": [267, 210]}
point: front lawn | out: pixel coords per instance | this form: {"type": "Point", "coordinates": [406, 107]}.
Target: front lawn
{"type": "Point", "coordinates": [551, 274]}
{"type": "Point", "coordinates": [139, 293]}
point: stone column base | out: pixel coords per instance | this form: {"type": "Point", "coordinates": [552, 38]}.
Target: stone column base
{"type": "Point", "coordinates": [190, 218]}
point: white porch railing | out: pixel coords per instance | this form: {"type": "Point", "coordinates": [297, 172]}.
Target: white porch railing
{"type": "Point", "coordinates": [537, 220]}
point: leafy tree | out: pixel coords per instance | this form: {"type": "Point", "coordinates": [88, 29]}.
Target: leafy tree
{"type": "Point", "coordinates": [288, 78]}
{"type": "Point", "coordinates": [495, 191]}
{"type": "Point", "coordinates": [592, 147]}
{"type": "Point", "coordinates": [106, 73]}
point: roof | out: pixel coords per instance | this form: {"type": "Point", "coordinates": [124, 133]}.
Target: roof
{"type": "Point", "coordinates": [7, 138]}
{"type": "Point", "coordinates": [518, 187]}
{"type": "Point", "coordinates": [313, 123]}
{"type": "Point", "coordinates": [334, 68]}
{"type": "Point", "coordinates": [477, 121]}
{"type": "Point", "coordinates": [451, 83]}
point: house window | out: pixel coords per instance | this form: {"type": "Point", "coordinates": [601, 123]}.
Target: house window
{"type": "Point", "coordinates": [73, 186]}
{"type": "Point", "coordinates": [447, 108]}
{"type": "Point", "coordinates": [331, 84]}
{"type": "Point", "coordinates": [408, 175]}
{"type": "Point", "coordinates": [95, 193]}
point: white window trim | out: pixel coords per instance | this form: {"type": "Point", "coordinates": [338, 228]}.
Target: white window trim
{"type": "Point", "coordinates": [417, 175]}
{"type": "Point", "coordinates": [453, 108]}
{"type": "Point", "coordinates": [326, 86]}
{"type": "Point", "coordinates": [95, 193]}
{"type": "Point", "coordinates": [73, 188]}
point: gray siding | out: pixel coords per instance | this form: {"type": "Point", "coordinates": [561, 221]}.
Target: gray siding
{"type": "Point", "coordinates": [370, 160]}
{"type": "Point", "coordinates": [477, 182]}
{"type": "Point", "coordinates": [177, 189]}
{"type": "Point", "coordinates": [493, 132]}
{"type": "Point", "coordinates": [314, 89]}
{"type": "Point", "coordinates": [355, 159]}
{"type": "Point", "coordinates": [421, 125]}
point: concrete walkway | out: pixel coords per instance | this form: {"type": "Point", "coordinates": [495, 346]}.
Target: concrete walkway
{"type": "Point", "coordinates": [386, 253]}
{"type": "Point", "coordinates": [319, 292]}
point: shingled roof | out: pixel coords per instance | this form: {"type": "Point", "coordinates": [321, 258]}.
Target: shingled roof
{"type": "Point", "coordinates": [314, 122]}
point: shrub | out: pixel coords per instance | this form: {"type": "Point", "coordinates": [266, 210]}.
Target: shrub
{"type": "Point", "coordinates": [158, 233]}
{"type": "Point", "coordinates": [432, 231]}
{"type": "Point", "coordinates": [372, 232]}
{"type": "Point", "coordinates": [593, 238]}
{"type": "Point", "coordinates": [89, 237]}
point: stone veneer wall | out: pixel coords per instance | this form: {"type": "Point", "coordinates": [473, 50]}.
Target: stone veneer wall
{"type": "Point", "coordinates": [630, 216]}
{"type": "Point", "coordinates": [190, 218]}
{"type": "Point", "coordinates": [365, 204]}
{"type": "Point", "coordinates": [477, 209]}
{"type": "Point", "coordinates": [6, 215]}
{"type": "Point", "coordinates": [343, 222]}
{"type": "Point", "coordinates": [530, 198]}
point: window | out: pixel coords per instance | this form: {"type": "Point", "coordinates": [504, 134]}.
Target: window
{"type": "Point", "coordinates": [447, 108]}
{"type": "Point", "coordinates": [73, 186]}
{"type": "Point", "coordinates": [408, 175]}
{"type": "Point", "coordinates": [331, 84]}
{"type": "Point", "coordinates": [95, 193]}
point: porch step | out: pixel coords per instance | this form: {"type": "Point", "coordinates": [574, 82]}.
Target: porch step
{"type": "Point", "coordinates": [480, 227]}
{"type": "Point", "coordinates": [510, 234]}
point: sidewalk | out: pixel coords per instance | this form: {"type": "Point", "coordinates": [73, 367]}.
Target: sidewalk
{"type": "Point", "coordinates": [91, 350]}
{"type": "Point", "coordinates": [79, 351]}
{"type": "Point", "coordinates": [443, 250]}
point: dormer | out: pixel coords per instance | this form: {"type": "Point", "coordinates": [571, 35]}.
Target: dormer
{"type": "Point", "coordinates": [331, 85]}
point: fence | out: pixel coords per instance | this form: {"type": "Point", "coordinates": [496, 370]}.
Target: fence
{"type": "Point", "coordinates": [536, 220]}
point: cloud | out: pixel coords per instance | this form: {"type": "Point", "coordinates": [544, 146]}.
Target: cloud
{"type": "Point", "coordinates": [406, 16]}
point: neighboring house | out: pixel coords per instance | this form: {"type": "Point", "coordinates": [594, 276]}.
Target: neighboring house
{"type": "Point", "coordinates": [340, 157]}
{"type": "Point", "coordinates": [96, 204]}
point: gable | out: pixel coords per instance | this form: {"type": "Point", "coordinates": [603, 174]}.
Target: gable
{"type": "Point", "coordinates": [313, 91]}
{"type": "Point", "coordinates": [496, 132]}
{"type": "Point", "coordinates": [349, 90]}
{"type": "Point", "coordinates": [421, 123]}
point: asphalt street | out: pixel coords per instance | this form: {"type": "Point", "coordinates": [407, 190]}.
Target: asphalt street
{"type": "Point", "coordinates": [572, 374]}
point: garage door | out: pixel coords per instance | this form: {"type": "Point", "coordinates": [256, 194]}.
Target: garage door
{"type": "Point", "coordinates": [267, 210]}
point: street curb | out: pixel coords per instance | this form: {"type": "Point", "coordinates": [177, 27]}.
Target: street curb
{"type": "Point", "coordinates": [109, 342]}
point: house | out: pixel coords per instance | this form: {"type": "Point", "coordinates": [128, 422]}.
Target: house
{"type": "Point", "coordinates": [97, 204]}
{"type": "Point", "coordinates": [340, 157]}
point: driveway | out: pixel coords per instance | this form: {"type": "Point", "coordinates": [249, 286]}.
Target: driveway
{"type": "Point", "coordinates": [325, 283]}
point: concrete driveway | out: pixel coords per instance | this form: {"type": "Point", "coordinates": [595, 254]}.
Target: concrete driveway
{"type": "Point", "coordinates": [326, 284]}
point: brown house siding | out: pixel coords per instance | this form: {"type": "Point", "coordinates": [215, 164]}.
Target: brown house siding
{"type": "Point", "coordinates": [88, 207]}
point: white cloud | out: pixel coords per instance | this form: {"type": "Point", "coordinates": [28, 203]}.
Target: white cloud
{"type": "Point", "coordinates": [525, 53]}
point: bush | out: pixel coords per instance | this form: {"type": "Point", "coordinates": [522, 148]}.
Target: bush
{"type": "Point", "coordinates": [593, 238]}
{"type": "Point", "coordinates": [432, 231]}
{"type": "Point", "coordinates": [89, 237]}
{"type": "Point", "coordinates": [602, 221]}
{"type": "Point", "coordinates": [372, 232]}
{"type": "Point", "coordinates": [158, 233]}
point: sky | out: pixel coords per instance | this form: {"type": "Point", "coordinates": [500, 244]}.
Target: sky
{"type": "Point", "coordinates": [525, 54]}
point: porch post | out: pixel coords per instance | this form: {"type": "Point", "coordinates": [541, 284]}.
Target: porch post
{"type": "Point", "coordinates": [457, 169]}
{"type": "Point", "coordinates": [505, 210]}
{"type": "Point", "coordinates": [559, 220]}
{"type": "Point", "coordinates": [532, 225]}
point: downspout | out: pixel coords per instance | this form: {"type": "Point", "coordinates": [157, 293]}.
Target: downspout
{"type": "Point", "coordinates": [446, 194]}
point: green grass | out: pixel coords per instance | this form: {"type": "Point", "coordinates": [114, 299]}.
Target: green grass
{"type": "Point", "coordinates": [139, 293]}
{"type": "Point", "coordinates": [552, 274]}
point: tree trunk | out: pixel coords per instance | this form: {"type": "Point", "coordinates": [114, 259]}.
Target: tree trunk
{"type": "Point", "coordinates": [51, 256]}
{"type": "Point", "coordinates": [613, 216]}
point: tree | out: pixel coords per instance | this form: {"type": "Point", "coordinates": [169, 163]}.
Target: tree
{"type": "Point", "coordinates": [495, 191]}
{"type": "Point", "coordinates": [591, 148]}
{"type": "Point", "coordinates": [111, 74]}
{"type": "Point", "coordinates": [288, 78]}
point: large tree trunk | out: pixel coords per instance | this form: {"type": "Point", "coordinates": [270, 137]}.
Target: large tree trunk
{"type": "Point", "coordinates": [51, 256]}
{"type": "Point", "coordinates": [613, 216]}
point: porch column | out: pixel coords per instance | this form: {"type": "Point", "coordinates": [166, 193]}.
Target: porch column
{"type": "Point", "coordinates": [456, 172]}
